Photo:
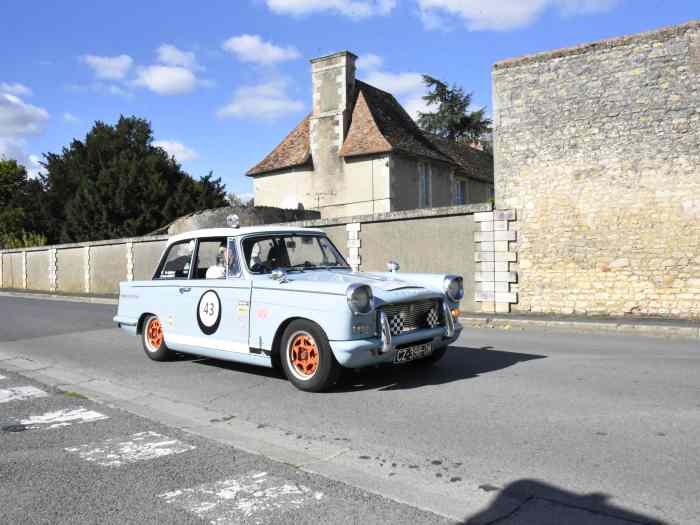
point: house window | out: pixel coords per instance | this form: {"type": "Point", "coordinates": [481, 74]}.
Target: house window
{"type": "Point", "coordinates": [424, 185]}
{"type": "Point", "coordinates": [460, 191]}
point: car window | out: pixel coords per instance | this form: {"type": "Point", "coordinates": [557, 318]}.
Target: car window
{"type": "Point", "coordinates": [211, 259]}
{"type": "Point", "coordinates": [177, 261]}
{"type": "Point", "coordinates": [264, 254]}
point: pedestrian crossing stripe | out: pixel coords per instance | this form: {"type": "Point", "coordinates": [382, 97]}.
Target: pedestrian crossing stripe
{"type": "Point", "coordinates": [62, 418]}
{"type": "Point", "coordinates": [20, 393]}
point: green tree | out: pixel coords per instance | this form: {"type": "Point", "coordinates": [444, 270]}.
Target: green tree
{"type": "Point", "coordinates": [116, 183]}
{"type": "Point", "coordinates": [452, 119]}
{"type": "Point", "coordinates": [20, 211]}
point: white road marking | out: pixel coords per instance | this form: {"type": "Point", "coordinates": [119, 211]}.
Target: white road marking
{"type": "Point", "coordinates": [248, 499]}
{"type": "Point", "coordinates": [62, 418]}
{"type": "Point", "coordinates": [141, 447]}
{"type": "Point", "coordinates": [2, 376]}
{"type": "Point", "coordinates": [20, 393]}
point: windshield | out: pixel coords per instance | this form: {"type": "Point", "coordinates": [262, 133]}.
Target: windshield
{"type": "Point", "coordinates": [265, 253]}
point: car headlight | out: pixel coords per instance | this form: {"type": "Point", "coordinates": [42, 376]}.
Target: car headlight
{"type": "Point", "coordinates": [453, 287]}
{"type": "Point", "coordinates": [360, 299]}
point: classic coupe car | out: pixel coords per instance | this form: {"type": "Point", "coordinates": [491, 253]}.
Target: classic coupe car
{"type": "Point", "coordinates": [281, 296]}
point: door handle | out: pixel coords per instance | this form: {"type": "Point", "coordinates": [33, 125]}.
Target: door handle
{"type": "Point", "coordinates": [185, 290]}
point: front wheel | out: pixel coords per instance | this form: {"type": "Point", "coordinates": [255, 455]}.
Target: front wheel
{"type": "Point", "coordinates": [307, 359]}
{"type": "Point", "coordinates": [153, 339]}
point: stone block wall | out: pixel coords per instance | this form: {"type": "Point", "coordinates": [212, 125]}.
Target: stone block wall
{"type": "Point", "coordinates": [597, 150]}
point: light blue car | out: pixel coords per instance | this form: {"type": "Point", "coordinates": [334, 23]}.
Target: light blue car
{"type": "Point", "coordinates": [280, 296]}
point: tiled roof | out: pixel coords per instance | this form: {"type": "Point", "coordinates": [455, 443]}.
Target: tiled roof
{"type": "Point", "coordinates": [380, 124]}
{"type": "Point", "coordinates": [293, 151]}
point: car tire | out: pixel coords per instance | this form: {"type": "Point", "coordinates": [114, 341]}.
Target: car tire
{"type": "Point", "coordinates": [153, 340]}
{"type": "Point", "coordinates": [307, 358]}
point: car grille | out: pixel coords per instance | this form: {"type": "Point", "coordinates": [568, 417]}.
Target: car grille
{"type": "Point", "coordinates": [409, 317]}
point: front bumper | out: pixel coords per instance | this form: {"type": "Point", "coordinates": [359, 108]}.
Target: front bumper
{"type": "Point", "coordinates": [367, 352]}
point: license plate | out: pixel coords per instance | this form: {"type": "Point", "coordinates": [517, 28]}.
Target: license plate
{"type": "Point", "coordinates": [413, 352]}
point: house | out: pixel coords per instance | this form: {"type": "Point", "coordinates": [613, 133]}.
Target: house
{"type": "Point", "coordinates": [359, 152]}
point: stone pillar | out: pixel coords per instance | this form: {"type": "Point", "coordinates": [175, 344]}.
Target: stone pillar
{"type": "Point", "coordinates": [53, 277]}
{"type": "Point", "coordinates": [1, 270]}
{"type": "Point", "coordinates": [354, 257]}
{"type": "Point", "coordinates": [24, 269]}
{"type": "Point", "coordinates": [129, 261]}
{"type": "Point", "coordinates": [494, 273]}
{"type": "Point", "coordinates": [86, 266]}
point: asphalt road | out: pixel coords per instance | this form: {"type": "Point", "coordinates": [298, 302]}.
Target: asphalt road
{"type": "Point", "coordinates": [523, 427]}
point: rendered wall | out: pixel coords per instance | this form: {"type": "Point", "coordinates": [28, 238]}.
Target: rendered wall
{"type": "Point", "coordinates": [107, 268]}
{"type": "Point", "coordinates": [597, 148]}
{"type": "Point", "coordinates": [146, 257]}
{"type": "Point", "coordinates": [38, 270]}
{"type": "Point", "coordinates": [433, 245]}
{"type": "Point", "coordinates": [12, 270]}
{"type": "Point", "coordinates": [70, 270]}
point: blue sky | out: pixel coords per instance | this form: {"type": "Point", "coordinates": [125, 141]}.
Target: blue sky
{"type": "Point", "coordinates": [222, 82]}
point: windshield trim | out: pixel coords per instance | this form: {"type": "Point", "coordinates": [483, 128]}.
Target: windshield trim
{"type": "Point", "coordinates": [291, 234]}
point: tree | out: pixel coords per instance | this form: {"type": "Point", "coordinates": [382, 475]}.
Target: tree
{"type": "Point", "coordinates": [240, 201]}
{"type": "Point", "coordinates": [20, 215]}
{"type": "Point", "coordinates": [452, 120]}
{"type": "Point", "coordinates": [116, 183]}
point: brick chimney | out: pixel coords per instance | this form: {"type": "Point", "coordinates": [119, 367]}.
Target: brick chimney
{"type": "Point", "coordinates": [333, 85]}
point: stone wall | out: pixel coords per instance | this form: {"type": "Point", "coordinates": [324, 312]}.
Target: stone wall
{"type": "Point", "coordinates": [597, 149]}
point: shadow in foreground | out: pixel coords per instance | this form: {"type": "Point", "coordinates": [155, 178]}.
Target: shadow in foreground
{"type": "Point", "coordinates": [459, 363]}
{"type": "Point", "coordinates": [528, 501]}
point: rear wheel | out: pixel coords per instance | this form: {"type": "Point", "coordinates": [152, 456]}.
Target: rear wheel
{"type": "Point", "coordinates": [153, 339]}
{"type": "Point", "coordinates": [307, 359]}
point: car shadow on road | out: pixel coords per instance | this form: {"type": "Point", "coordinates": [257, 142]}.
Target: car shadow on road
{"type": "Point", "coordinates": [459, 363]}
{"type": "Point", "coordinates": [527, 501]}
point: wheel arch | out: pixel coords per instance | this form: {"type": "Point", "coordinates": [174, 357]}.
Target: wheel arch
{"type": "Point", "coordinates": [275, 351]}
{"type": "Point", "coordinates": [142, 320]}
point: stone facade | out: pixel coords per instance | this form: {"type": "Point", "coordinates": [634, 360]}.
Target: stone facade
{"type": "Point", "coordinates": [597, 149]}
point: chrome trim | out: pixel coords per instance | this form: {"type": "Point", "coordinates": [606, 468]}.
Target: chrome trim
{"type": "Point", "coordinates": [351, 290]}
{"type": "Point", "coordinates": [387, 343]}
{"type": "Point", "coordinates": [449, 320]}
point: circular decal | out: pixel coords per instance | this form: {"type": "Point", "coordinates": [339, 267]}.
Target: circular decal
{"type": "Point", "coordinates": [209, 312]}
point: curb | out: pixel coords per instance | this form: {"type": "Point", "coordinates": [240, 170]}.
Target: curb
{"type": "Point", "coordinates": [643, 329]}
{"type": "Point", "coordinates": [60, 297]}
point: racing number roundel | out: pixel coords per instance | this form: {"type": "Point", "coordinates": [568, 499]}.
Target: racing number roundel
{"type": "Point", "coordinates": [209, 312]}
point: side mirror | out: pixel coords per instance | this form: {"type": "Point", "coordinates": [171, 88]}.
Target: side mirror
{"type": "Point", "coordinates": [279, 275]}
{"type": "Point", "coordinates": [393, 266]}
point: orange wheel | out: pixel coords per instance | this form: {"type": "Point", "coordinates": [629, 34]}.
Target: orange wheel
{"type": "Point", "coordinates": [303, 355]}
{"type": "Point", "coordinates": [153, 339]}
{"type": "Point", "coordinates": [154, 333]}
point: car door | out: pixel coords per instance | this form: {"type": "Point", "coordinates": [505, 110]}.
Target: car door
{"type": "Point", "coordinates": [219, 299]}
{"type": "Point", "coordinates": [168, 293]}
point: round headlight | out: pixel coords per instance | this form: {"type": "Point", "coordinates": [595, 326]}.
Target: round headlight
{"type": "Point", "coordinates": [360, 299]}
{"type": "Point", "coordinates": [453, 288]}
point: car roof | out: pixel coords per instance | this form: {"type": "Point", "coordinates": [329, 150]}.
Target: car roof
{"type": "Point", "coordinates": [237, 232]}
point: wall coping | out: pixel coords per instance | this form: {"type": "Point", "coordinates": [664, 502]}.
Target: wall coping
{"type": "Point", "coordinates": [424, 213]}
{"type": "Point", "coordinates": [656, 34]}
{"type": "Point", "coordinates": [465, 209]}
{"type": "Point", "coordinates": [105, 242]}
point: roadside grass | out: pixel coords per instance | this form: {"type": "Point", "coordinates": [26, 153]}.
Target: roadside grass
{"type": "Point", "coordinates": [77, 395]}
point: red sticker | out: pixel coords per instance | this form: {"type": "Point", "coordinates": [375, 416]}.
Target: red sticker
{"type": "Point", "coordinates": [262, 313]}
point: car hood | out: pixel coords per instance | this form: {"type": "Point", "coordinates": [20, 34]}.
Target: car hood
{"type": "Point", "coordinates": [385, 287]}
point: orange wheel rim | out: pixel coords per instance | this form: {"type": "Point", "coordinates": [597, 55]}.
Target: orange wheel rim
{"type": "Point", "coordinates": [154, 333]}
{"type": "Point", "coordinates": [303, 355]}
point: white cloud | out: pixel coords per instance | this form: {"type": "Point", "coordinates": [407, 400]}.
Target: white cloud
{"type": "Point", "coordinates": [252, 48]}
{"type": "Point", "coordinates": [70, 118]}
{"type": "Point", "coordinates": [369, 62]}
{"type": "Point", "coordinates": [172, 56]}
{"type": "Point", "coordinates": [350, 8]}
{"type": "Point", "coordinates": [167, 80]}
{"type": "Point", "coordinates": [19, 118]}
{"type": "Point", "coordinates": [267, 101]}
{"type": "Point", "coordinates": [176, 149]}
{"type": "Point", "coordinates": [15, 89]}
{"type": "Point", "coordinates": [14, 149]}
{"type": "Point", "coordinates": [109, 68]}
{"type": "Point", "coordinates": [99, 88]}
{"type": "Point", "coordinates": [503, 15]}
